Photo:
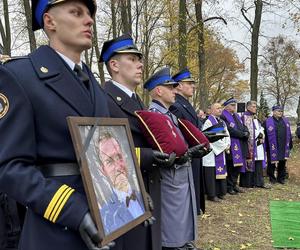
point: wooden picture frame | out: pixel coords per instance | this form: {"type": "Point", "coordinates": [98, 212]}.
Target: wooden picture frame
{"type": "Point", "coordinates": [110, 173]}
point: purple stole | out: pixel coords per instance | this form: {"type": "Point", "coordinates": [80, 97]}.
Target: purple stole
{"type": "Point", "coordinates": [272, 139]}
{"type": "Point", "coordinates": [249, 123]}
{"type": "Point", "coordinates": [235, 147]}
{"type": "Point", "coordinates": [221, 171]}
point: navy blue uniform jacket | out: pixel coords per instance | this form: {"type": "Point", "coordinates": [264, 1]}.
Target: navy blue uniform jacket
{"type": "Point", "coordinates": [184, 110]}
{"type": "Point", "coordinates": [42, 91]}
{"type": "Point", "coordinates": [122, 106]}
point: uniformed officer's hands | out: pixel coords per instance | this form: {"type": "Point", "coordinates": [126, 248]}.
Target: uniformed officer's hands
{"type": "Point", "coordinates": [89, 234]}
{"type": "Point", "coordinates": [163, 159]}
{"type": "Point", "coordinates": [198, 151]}
{"type": "Point", "coordinates": [182, 159]}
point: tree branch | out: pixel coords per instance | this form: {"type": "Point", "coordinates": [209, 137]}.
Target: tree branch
{"type": "Point", "coordinates": [246, 18]}
{"type": "Point", "coordinates": [214, 18]}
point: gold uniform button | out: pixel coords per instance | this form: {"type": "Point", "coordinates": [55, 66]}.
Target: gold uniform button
{"type": "Point", "coordinates": [44, 70]}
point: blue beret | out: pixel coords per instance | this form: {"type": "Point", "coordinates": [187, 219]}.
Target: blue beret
{"type": "Point", "coordinates": [277, 107]}
{"type": "Point", "coordinates": [161, 77]}
{"type": "Point", "coordinates": [229, 101]}
{"type": "Point", "coordinates": [183, 76]}
{"type": "Point", "coordinates": [39, 7]}
{"type": "Point", "coordinates": [121, 44]}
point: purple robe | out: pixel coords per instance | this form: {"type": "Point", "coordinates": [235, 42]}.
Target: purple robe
{"type": "Point", "coordinates": [235, 148]}
{"type": "Point", "coordinates": [221, 171]}
{"type": "Point", "coordinates": [272, 139]}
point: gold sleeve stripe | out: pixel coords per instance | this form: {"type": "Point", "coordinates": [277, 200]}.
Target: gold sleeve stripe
{"type": "Point", "coordinates": [57, 205]}
{"type": "Point", "coordinates": [64, 200]}
{"type": "Point", "coordinates": [54, 200]}
{"type": "Point", "coordinates": [138, 155]}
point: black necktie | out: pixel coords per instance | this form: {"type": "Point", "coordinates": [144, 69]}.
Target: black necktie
{"type": "Point", "coordinates": [136, 101]}
{"type": "Point", "coordinates": [81, 75]}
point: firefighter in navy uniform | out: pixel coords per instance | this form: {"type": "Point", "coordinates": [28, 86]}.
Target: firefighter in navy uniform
{"type": "Point", "coordinates": [183, 109]}
{"type": "Point", "coordinates": [37, 160]}
{"type": "Point", "coordinates": [124, 63]}
{"type": "Point", "coordinates": [10, 228]}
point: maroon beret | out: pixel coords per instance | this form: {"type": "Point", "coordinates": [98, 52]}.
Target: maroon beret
{"type": "Point", "coordinates": [192, 134]}
{"type": "Point", "coordinates": [161, 133]}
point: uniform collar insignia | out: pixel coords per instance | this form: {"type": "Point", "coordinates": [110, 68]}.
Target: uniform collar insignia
{"type": "Point", "coordinates": [4, 105]}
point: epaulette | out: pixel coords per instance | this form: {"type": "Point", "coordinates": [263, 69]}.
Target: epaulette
{"type": "Point", "coordinates": [6, 59]}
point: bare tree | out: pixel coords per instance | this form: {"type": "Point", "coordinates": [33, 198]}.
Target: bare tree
{"type": "Point", "coordinates": [126, 17]}
{"type": "Point", "coordinates": [182, 35]}
{"type": "Point", "coordinates": [28, 15]}
{"type": "Point", "coordinates": [5, 30]}
{"type": "Point", "coordinates": [280, 70]}
{"type": "Point", "coordinates": [254, 29]}
{"type": "Point", "coordinates": [201, 51]}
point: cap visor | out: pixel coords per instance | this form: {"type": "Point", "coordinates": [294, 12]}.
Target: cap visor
{"type": "Point", "coordinates": [129, 51]}
{"type": "Point", "coordinates": [187, 80]}
{"type": "Point", "coordinates": [175, 84]}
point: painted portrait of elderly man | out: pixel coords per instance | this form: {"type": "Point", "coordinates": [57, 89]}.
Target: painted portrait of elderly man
{"type": "Point", "coordinates": [114, 177]}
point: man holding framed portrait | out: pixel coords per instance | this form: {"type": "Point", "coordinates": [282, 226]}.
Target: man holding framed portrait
{"type": "Point", "coordinates": [39, 91]}
{"type": "Point", "coordinates": [124, 64]}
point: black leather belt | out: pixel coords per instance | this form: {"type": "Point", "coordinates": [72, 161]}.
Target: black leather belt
{"type": "Point", "coordinates": [59, 169]}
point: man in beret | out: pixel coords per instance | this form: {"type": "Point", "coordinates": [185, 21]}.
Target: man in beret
{"type": "Point", "coordinates": [179, 221]}
{"type": "Point", "coordinates": [125, 66]}
{"type": "Point", "coordinates": [236, 159]}
{"type": "Point", "coordinates": [183, 109]}
{"type": "Point", "coordinates": [38, 166]}
{"type": "Point", "coordinates": [278, 144]}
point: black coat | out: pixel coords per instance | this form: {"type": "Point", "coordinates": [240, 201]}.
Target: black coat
{"type": "Point", "coordinates": [184, 110]}
{"type": "Point", "coordinates": [122, 106]}
{"type": "Point", "coordinates": [42, 91]}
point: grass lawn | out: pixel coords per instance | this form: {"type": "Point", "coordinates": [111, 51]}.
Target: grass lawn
{"type": "Point", "coordinates": [243, 221]}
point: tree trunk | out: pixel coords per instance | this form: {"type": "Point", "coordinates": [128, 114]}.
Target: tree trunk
{"type": "Point", "coordinates": [97, 51]}
{"type": "Point", "coordinates": [182, 35]}
{"type": "Point", "coordinates": [113, 18]}
{"type": "Point", "coordinates": [146, 49]}
{"type": "Point", "coordinates": [254, 49]}
{"type": "Point", "coordinates": [27, 10]}
{"type": "Point", "coordinates": [125, 17]}
{"type": "Point", "coordinates": [298, 110]}
{"type": "Point", "coordinates": [201, 55]}
{"type": "Point", "coordinates": [5, 30]}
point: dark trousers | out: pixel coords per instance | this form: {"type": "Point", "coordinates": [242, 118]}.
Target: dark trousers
{"type": "Point", "coordinates": [281, 171]}
{"type": "Point", "coordinates": [258, 175]}
{"type": "Point", "coordinates": [246, 179]}
{"type": "Point", "coordinates": [197, 176]}
{"type": "Point", "coordinates": [253, 179]}
{"type": "Point", "coordinates": [214, 187]}
{"type": "Point", "coordinates": [232, 175]}
{"type": "Point", "coordinates": [9, 223]}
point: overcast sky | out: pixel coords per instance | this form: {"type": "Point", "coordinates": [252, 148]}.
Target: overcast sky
{"type": "Point", "coordinates": [275, 21]}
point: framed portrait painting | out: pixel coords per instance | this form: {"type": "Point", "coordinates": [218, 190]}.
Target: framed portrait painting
{"type": "Point", "coordinates": [111, 175]}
